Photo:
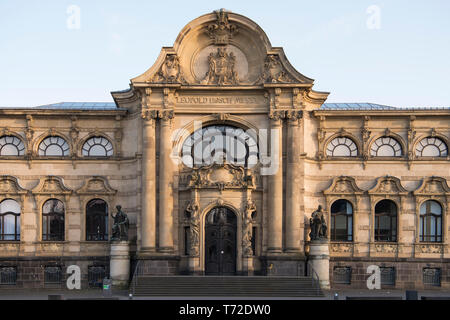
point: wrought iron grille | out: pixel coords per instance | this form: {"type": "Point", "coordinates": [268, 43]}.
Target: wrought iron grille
{"type": "Point", "coordinates": [53, 275]}
{"type": "Point", "coordinates": [432, 276]}
{"type": "Point", "coordinates": [342, 275]}
{"type": "Point", "coordinates": [8, 275]}
{"type": "Point", "coordinates": [96, 274]}
{"type": "Point", "coordinates": [387, 276]}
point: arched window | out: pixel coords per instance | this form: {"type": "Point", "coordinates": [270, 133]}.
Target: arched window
{"type": "Point", "coordinates": [11, 146]}
{"type": "Point", "coordinates": [386, 221]}
{"type": "Point", "coordinates": [341, 221]}
{"type": "Point", "coordinates": [212, 144]}
{"type": "Point", "coordinates": [386, 147]}
{"type": "Point", "coordinates": [431, 147]}
{"type": "Point", "coordinates": [54, 146]}
{"type": "Point", "coordinates": [53, 220]}
{"type": "Point", "coordinates": [97, 220]}
{"type": "Point", "coordinates": [97, 147]}
{"type": "Point", "coordinates": [342, 147]}
{"type": "Point", "coordinates": [430, 221]}
{"type": "Point", "coordinates": [9, 220]}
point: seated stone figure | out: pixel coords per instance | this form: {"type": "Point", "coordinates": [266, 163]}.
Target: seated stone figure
{"type": "Point", "coordinates": [120, 226]}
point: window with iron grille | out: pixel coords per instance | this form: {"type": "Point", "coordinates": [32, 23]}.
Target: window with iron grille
{"type": "Point", "coordinates": [432, 276]}
{"type": "Point", "coordinates": [387, 276]}
{"type": "Point", "coordinates": [342, 275]}
{"type": "Point", "coordinates": [8, 275]}
{"type": "Point", "coordinates": [53, 275]}
{"type": "Point", "coordinates": [96, 274]}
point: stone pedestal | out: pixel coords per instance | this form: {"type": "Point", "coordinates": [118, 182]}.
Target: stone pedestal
{"type": "Point", "coordinates": [319, 257]}
{"type": "Point", "coordinates": [194, 265]}
{"type": "Point", "coordinates": [247, 266]}
{"type": "Point", "coordinates": [120, 263]}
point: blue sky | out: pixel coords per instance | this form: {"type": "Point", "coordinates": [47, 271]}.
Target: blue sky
{"type": "Point", "coordinates": [403, 63]}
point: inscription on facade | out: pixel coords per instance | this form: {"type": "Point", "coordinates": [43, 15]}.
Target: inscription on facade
{"type": "Point", "coordinates": [217, 100]}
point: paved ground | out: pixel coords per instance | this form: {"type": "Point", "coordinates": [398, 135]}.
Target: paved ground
{"type": "Point", "coordinates": [18, 294]}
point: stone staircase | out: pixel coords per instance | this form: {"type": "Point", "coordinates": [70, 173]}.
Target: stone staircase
{"type": "Point", "coordinates": [224, 286]}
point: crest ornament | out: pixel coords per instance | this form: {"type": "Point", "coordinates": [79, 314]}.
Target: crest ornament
{"type": "Point", "coordinates": [221, 68]}
{"type": "Point", "coordinates": [170, 71]}
{"type": "Point", "coordinates": [222, 30]}
{"type": "Point", "coordinates": [274, 71]}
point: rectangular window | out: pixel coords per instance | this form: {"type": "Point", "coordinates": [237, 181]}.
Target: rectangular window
{"type": "Point", "coordinates": [96, 274]}
{"type": "Point", "coordinates": [387, 276]}
{"type": "Point", "coordinates": [342, 275]}
{"type": "Point", "coordinates": [8, 275]}
{"type": "Point", "coordinates": [53, 275]}
{"type": "Point", "coordinates": [432, 276]}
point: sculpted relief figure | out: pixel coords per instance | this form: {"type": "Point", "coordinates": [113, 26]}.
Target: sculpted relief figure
{"type": "Point", "coordinates": [192, 211]}
{"type": "Point", "coordinates": [247, 227]}
{"type": "Point", "coordinates": [274, 71]}
{"type": "Point", "coordinates": [120, 226]}
{"type": "Point", "coordinates": [318, 225]}
{"type": "Point", "coordinates": [221, 68]}
{"type": "Point", "coordinates": [170, 71]}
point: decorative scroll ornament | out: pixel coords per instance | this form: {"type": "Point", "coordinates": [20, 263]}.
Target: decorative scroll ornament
{"type": "Point", "coordinates": [274, 71]}
{"type": "Point", "coordinates": [222, 30]}
{"type": "Point", "coordinates": [192, 212]}
{"type": "Point", "coordinates": [221, 176]}
{"type": "Point", "coordinates": [170, 71]}
{"type": "Point", "coordinates": [221, 68]}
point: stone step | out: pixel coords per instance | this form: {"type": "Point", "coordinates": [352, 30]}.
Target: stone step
{"type": "Point", "coordinates": [225, 286]}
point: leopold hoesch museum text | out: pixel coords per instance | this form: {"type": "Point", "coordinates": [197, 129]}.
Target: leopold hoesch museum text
{"type": "Point", "coordinates": [219, 155]}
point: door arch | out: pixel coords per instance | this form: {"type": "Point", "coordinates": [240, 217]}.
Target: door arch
{"type": "Point", "coordinates": [220, 242]}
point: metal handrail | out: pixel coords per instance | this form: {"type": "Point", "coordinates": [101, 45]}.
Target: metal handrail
{"type": "Point", "coordinates": [314, 276]}
{"type": "Point", "coordinates": [135, 277]}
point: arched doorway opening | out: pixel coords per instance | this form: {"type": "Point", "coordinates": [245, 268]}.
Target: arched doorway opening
{"type": "Point", "coordinates": [220, 242]}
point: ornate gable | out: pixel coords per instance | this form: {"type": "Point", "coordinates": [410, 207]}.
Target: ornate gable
{"type": "Point", "coordinates": [51, 185]}
{"type": "Point", "coordinates": [343, 185]}
{"type": "Point", "coordinates": [221, 49]}
{"type": "Point", "coordinates": [96, 185]}
{"type": "Point", "coordinates": [388, 185]}
{"type": "Point", "coordinates": [10, 185]}
{"type": "Point", "coordinates": [432, 186]}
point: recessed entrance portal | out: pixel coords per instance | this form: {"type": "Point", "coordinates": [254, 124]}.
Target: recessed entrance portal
{"type": "Point", "coordinates": [220, 242]}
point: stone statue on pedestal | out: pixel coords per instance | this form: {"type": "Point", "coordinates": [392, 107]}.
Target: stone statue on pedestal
{"type": "Point", "coordinates": [247, 228]}
{"type": "Point", "coordinates": [120, 226]}
{"type": "Point", "coordinates": [318, 225]}
{"type": "Point", "coordinates": [192, 211]}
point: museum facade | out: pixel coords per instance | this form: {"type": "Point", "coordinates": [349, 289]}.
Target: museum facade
{"type": "Point", "coordinates": [218, 154]}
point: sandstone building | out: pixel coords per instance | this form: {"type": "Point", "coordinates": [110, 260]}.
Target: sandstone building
{"type": "Point", "coordinates": [219, 153]}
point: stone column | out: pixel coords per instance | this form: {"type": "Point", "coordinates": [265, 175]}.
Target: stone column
{"type": "Point", "coordinates": [293, 215]}
{"type": "Point", "coordinates": [148, 196]}
{"type": "Point", "coordinates": [165, 183]}
{"type": "Point", "coordinates": [275, 179]}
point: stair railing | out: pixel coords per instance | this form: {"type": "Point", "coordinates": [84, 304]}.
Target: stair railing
{"type": "Point", "coordinates": [136, 272]}
{"type": "Point", "coordinates": [314, 276]}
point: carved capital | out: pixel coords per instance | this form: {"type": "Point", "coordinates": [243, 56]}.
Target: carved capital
{"type": "Point", "coordinates": [294, 116]}
{"type": "Point", "coordinates": [166, 115]}
{"type": "Point", "coordinates": [149, 115]}
{"type": "Point", "coordinates": [277, 115]}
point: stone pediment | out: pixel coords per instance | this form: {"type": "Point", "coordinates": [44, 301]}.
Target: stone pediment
{"type": "Point", "coordinates": [220, 176]}
{"type": "Point", "coordinates": [51, 185]}
{"type": "Point", "coordinates": [433, 186]}
{"type": "Point", "coordinates": [10, 185]}
{"type": "Point", "coordinates": [343, 185]}
{"type": "Point", "coordinates": [222, 49]}
{"type": "Point", "coordinates": [96, 185]}
{"type": "Point", "coordinates": [388, 185]}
